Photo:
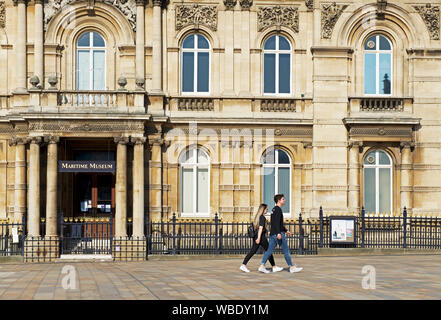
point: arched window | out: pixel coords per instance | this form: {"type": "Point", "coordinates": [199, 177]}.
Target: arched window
{"type": "Point", "coordinates": [195, 182]}
{"type": "Point", "coordinates": [91, 62]}
{"type": "Point", "coordinates": [276, 177]}
{"type": "Point", "coordinates": [378, 66]}
{"type": "Point", "coordinates": [378, 182]}
{"type": "Point", "coordinates": [195, 64]}
{"type": "Point", "coordinates": [277, 66]}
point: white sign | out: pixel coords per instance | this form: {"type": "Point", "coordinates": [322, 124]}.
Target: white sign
{"type": "Point", "coordinates": [342, 230]}
{"type": "Point", "coordinates": [15, 235]}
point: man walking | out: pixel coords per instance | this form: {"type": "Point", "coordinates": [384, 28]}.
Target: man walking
{"type": "Point", "coordinates": [277, 236]}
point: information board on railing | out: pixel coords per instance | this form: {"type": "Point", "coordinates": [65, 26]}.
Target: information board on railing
{"type": "Point", "coordinates": [342, 230]}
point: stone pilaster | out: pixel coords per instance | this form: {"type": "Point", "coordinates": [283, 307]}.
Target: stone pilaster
{"type": "Point", "coordinates": [38, 41]}
{"type": "Point", "coordinates": [34, 188]}
{"type": "Point", "coordinates": [157, 47]}
{"type": "Point", "coordinates": [20, 52]}
{"type": "Point", "coordinates": [51, 185]}
{"type": "Point", "coordinates": [155, 203]}
{"type": "Point", "coordinates": [121, 187]}
{"type": "Point", "coordinates": [406, 175]}
{"type": "Point", "coordinates": [140, 40]}
{"type": "Point", "coordinates": [20, 177]}
{"type": "Point", "coordinates": [138, 186]}
{"type": "Point", "coordinates": [354, 177]}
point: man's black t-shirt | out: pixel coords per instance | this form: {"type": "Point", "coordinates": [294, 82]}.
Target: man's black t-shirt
{"type": "Point", "coordinates": [277, 221]}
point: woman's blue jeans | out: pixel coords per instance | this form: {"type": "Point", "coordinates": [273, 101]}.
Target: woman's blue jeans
{"type": "Point", "coordinates": [273, 242]}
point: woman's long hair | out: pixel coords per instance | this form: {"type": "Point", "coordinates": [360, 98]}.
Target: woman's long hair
{"type": "Point", "coordinates": [259, 212]}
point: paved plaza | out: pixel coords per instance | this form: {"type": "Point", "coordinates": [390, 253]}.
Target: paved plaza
{"type": "Point", "coordinates": [396, 277]}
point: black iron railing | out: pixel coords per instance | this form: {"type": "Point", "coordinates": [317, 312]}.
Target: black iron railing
{"type": "Point", "coordinates": [12, 234]}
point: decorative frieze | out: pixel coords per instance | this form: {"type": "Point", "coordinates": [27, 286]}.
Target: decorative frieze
{"type": "Point", "coordinates": [278, 16]}
{"type": "Point", "coordinates": [330, 14]}
{"type": "Point", "coordinates": [381, 131]}
{"type": "Point", "coordinates": [2, 14]}
{"type": "Point", "coordinates": [91, 126]}
{"type": "Point", "coordinates": [127, 8]}
{"type": "Point", "coordinates": [196, 15]}
{"type": "Point", "coordinates": [430, 15]}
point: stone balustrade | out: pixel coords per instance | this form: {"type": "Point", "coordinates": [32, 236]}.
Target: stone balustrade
{"type": "Point", "coordinates": [278, 105]}
{"type": "Point", "coordinates": [88, 98]}
{"type": "Point", "coordinates": [195, 104]}
{"type": "Point", "coordinates": [380, 104]}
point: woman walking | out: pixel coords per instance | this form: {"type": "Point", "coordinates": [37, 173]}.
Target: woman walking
{"type": "Point", "coordinates": [260, 239]}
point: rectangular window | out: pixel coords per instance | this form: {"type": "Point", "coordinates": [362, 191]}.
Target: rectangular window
{"type": "Point", "coordinates": [187, 190]}
{"type": "Point", "coordinates": [268, 186]}
{"type": "Point", "coordinates": [284, 188]}
{"type": "Point", "coordinates": [83, 70]}
{"type": "Point", "coordinates": [385, 73]}
{"type": "Point", "coordinates": [188, 72]}
{"type": "Point", "coordinates": [284, 73]}
{"type": "Point", "coordinates": [203, 71]}
{"type": "Point", "coordinates": [384, 184]}
{"type": "Point", "coordinates": [370, 84]}
{"type": "Point", "coordinates": [269, 73]}
{"type": "Point", "coordinates": [369, 190]}
{"type": "Point", "coordinates": [203, 190]}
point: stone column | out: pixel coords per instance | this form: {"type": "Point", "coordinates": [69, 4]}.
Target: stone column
{"type": "Point", "coordinates": [157, 47]}
{"type": "Point", "coordinates": [140, 40]}
{"type": "Point", "coordinates": [34, 188]}
{"type": "Point", "coordinates": [121, 187]}
{"type": "Point", "coordinates": [138, 187]}
{"type": "Point", "coordinates": [354, 177]}
{"type": "Point", "coordinates": [38, 41]}
{"type": "Point", "coordinates": [51, 185]}
{"type": "Point", "coordinates": [155, 183]}
{"type": "Point", "coordinates": [406, 175]}
{"type": "Point", "coordinates": [20, 177]}
{"type": "Point", "coordinates": [20, 52]}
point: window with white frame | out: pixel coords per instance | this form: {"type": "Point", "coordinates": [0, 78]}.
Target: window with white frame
{"type": "Point", "coordinates": [377, 182]}
{"type": "Point", "coordinates": [277, 65]}
{"type": "Point", "coordinates": [91, 62]}
{"type": "Point", "coordinates": [195, 182]}
{"type": "Point", "coordinates": [276, 177]}
{"type": "Point", "coordinates": [378, 66]}
{"type": "Point", "coordinates": [195, 64]}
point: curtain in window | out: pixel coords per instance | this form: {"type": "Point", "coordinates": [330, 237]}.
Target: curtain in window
{"type": "Point", "coordinates": [83, 66]}
{"type": "Point", "coordinates": [187, 188]}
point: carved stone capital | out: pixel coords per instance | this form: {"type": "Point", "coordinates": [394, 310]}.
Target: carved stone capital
{"type": "Point", "coordinates": [35, 140]}
{"type": "Point", "coordinates": [307, 144]}
{"type": "Point", "coordinates": [230, 4]}
{"type": "Point", "coordinates": [309, 4]}
{"type": "Point", "coordinates": [246, 4]}
{"type": "Point", "coordinates": [330, 14]}
{"type": "Point", "coordinates": [138, 140]}
{"type": "Point", "coordinates": [156, 3]}
{"type": "Point", "coordinates": [196, 15]}
{"type": "Point", "coordinates": [356, 144]}
{"type": "Point", "coordinates": [431, 16]}
{"type": "Point", "coordinates": [121, 140]}
{"type": "Point", "coordinates": [51, 139]}
{"type": "Point", "coordinates": [407, 144]}
{"type": "Point", "coordinates": [16, 2]}
{"type": "Point", "coordinates": [155, 141]}
{"type": "Point", "coordinates": [18, 140]}
{"type": "Point", "coordinates": [2, 14]}
{"type": "Point", "coordinates": [278, 16]}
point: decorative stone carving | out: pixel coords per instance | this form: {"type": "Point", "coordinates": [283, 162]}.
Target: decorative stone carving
{"type": "Point", "coordinates": [122, 82]}
{"type": "Point", "coordinates": [127, 8]}
{"type": "Point", "coordinates": [246, 4]}
{"type": "Point", "coordinates": [121, 140]}
{"type": "Point", "coordinates": [330, 14]}
{"type": "Point", "coordinates": [138, 140]}
{"type": "Point", "coordinates": [309, 4]}
{"type": "Point", "coordinates": [430, 15]}
{"type": "Point", "coordinates": [230, 4]}
{"type": "Point", "coordinates": [2, 14]}
{"type": "Point", "coordinates": [278, 16]}
{"type": "Point", "coordinates": [91, 126]}
{"type": "Point", "coordinates": [34, 80]}
{"type": "Point", "coordinates": [381, 8]}
{"type": "Point", "coordinates": [51, 139]}
{"type": "Point", "coordinates": [196, 15]}
{"type": "Point", "coordinates": [53, 82]}
{"type": "Point", "coordinates": [140, 83]}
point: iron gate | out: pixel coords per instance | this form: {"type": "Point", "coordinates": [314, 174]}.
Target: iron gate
{"type": "Point", "coordinates": [12, 234]}
{"type": "Point", "coordinates": [86, 235]}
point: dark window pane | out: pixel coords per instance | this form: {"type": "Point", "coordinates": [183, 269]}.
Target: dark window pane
{"type": "Point", "coordinates": [283, 157]}
{"type": "Point", "coordinates": [189, 42]}
{"type": "Point", "coordinates": [284, 44]}
{"type": "Point", "coordinates": [385, 73]}
{"type": "Point", "coordinates": [270, 156]}
{"type": "Point", "coordinates": [269, 73]}
{"type": "Point", "coordinates": [98, 41]}
{"type": "Point", "coordinates": [270, 44]}
{"type": "Point", "coordinates": [84, 40]}
{"type": "Point", "coordinates": [370, 70]}
{"type": "Point", "coordinates": [202, 42]}
{"type": "Point", "coordinates": [284, 73]}
{"type": "Point", "coordinates": [384, 192]}
{"type": "Point", "coordinates": [284, 187]}
{"type": "Point", "coordinates": [370, 43]}
{"type": "Point", "coordinates": [188, 72]}
{"type": "Point", "coordinates": [203, 71]}
{"type": "Point", "coordinates": [384, 43]}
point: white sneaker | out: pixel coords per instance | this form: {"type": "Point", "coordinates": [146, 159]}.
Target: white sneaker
{"type": "Point", "coordinates": [244, 268]}
{"type": "Point", "coordinates": [277, 269]}
{"type": "Point", "coordinates": [263, 269]}
{"type": "Point", "coordinates": [295, 269]}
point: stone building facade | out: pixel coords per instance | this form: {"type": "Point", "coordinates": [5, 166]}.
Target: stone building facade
{"type": "Point", "coordinates": [189, 98]}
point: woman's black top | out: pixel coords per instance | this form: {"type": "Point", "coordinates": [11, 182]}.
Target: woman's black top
{"type": "Point", "coordinates": [262, 223]}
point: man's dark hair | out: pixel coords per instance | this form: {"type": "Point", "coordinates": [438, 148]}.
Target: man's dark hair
{"type": "Point", "coordinates": [277, 197]}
